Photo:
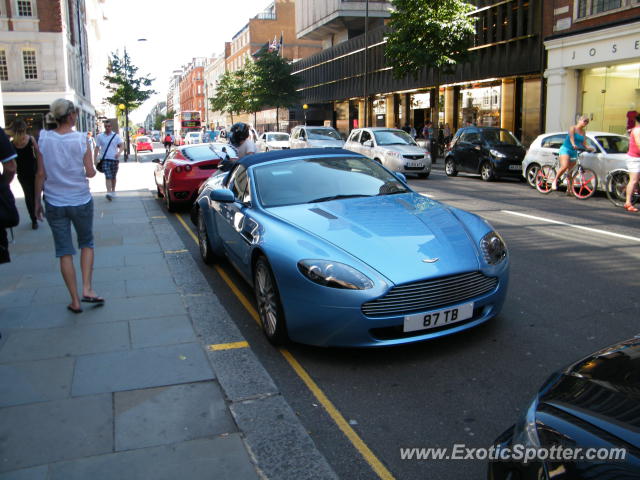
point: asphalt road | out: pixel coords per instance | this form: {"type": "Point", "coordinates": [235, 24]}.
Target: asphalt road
{"type": "Point", "coordinates": [572, 291]}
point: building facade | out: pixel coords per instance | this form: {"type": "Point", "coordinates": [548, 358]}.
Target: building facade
{"type": "Point", "coordinates": [173, 93]}
{"type": "Point", "coordinates": [276, 24]}
{"type": "Point", "coordinates": [593, 63]}
{"type": "Point", "coordinates": [44, 56]}
{"type": "Point", "coordinates": [215, 68]}
{"type": "Point", "coordinates": [192, 87]}
{"type": "Point", "coordinates": [500, 85]}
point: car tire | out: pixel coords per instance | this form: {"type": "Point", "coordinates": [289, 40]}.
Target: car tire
{"type": "Point", "coordinates": [531, 173]}
{"type": "Point", "coordinates": [206, 253]}
{"type": "Point", "coordinates": [450, 167]}
{"type": "Point", "coordinates": [487, 172]}
{"type": "Point", "coordinates": [424, 175]}
{"type": "Point", "coordinates": [377, 160]}
{"type": "Point", "coordinates": [171, 207]}
{"type": "Point", "coordinates": [268, 302]}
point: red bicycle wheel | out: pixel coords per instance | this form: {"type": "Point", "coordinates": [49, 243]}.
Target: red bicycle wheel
{"type": "Point", "coordinates": [584, 183]}
{"type": "Point", "coordinates": [544, 178]}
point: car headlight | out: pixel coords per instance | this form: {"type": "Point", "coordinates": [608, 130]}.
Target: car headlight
{"type": "Point", "coordinates": [525, 431]}
{"type": "Point", "coordinates": [493, 248]}
{"type": "Point", "coordinates": [334, 274]}
{"type": "Point", "coordinates": [497, 154]}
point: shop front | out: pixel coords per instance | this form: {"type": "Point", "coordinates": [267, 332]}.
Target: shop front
{"type": "Point", "coordinates": [596, 74]}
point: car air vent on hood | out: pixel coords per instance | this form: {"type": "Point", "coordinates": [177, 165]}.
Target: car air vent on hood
{"type": "Point", "coordinates": [323, 213]}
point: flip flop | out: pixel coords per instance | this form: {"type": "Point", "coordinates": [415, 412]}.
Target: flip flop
{"type": "Point", "coordinates": [74, 310]}
{"type": "Point", "coordinates": [630, 208]}
{"type": "Point", "coordinates": [93, 299]}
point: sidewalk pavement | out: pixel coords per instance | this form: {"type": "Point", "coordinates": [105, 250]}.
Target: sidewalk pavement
{"type": "Point", "coordinates": [130, 390]}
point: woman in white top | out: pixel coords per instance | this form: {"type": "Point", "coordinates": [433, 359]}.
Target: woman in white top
{"type": "Point", "coordinates": [63, 174]}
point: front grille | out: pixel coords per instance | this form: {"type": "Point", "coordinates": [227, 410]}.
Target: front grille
{"type": "Point", "coordinates": [413, 157]}
{"type": "Point", "coordinates": [430, 294]}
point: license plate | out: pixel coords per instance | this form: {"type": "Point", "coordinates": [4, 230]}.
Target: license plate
{"type": "Point", "coordinates": [415, 164]}
{"type": "Point", "coordinates": [438, 318]}
{"type": "Point", "coordinates": [515, 167]}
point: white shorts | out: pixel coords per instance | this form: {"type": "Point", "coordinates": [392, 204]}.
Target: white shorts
{"type": "Point", "coordinates": [633, 164]}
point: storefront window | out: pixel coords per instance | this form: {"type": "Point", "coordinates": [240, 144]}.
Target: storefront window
{"type": "Point", "coordinates": [480, 106]}
{"type": "Point", "coordinates": [609, 95]}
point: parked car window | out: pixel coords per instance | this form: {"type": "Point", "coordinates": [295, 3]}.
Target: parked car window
{"type": "Point", "coordinates": [354, 136]}
{"type": "Point", "coordinates": [144, 140]}
{"type": "Point", "coordinates": [278, 137]}
{"type": "Point", "coordinates": [323, 134]}
{"type": "Point", "coordinates": [470, 137]}
{"type": "Point", "coordinates": [239, 182]}
{"type": "Point", "coordinates": [263, 137]}
{"type": "Point", "coordinates": [281, 184]}
{"type": "Point", "coordinates": [393, 137]}
{"type": "Point", "coordinates": [365, 136]}
{"type": "Point", "coordinates": [613, 143]}
{"type": "Point", "coordinates": [495, 137]}
{"type": "Point", "coordinates": [553, 141]}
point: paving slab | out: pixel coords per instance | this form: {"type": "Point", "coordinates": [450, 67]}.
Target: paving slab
{"type": "Point", "coordinates": [144, 259]}
{"type": "Point", "coordinates": [136, 307]}
{"type": "Point", "coordinates": [60, 294]}
{"type": "Point", "coordinates": [278, 441]}
{"type": "Point", "coordinates": [206, 459]}
{"type": "Point", "coordinates": [36, 473]}
{"type": "Point", "coordinates": [142, 368]}
{"type": "Point", "coordinates": [33, 435]}
{"type": "Point", "coordinates": [32, 382]}
{"type": "Point", "coordinates": [166, 415]}
{"type": "Point", "coordinates": [21, 297]}
{"type": "Point", "coordinates": [153, 332]}
{"type": "Point", "coordinates": [80, 339]}
{"type": "Point", "coordinates": [151, 286]}
{"type": "Point", "coordinates": [136, 272]}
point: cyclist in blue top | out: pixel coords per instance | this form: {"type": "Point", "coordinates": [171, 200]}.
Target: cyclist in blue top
{"type": "Point", "coordinates": [568, 154]}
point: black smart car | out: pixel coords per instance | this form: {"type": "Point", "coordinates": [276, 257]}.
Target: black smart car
{"type": "Point", "coordinates": [490, 151]}
{"type": "Point", "coordinates": [591, 407]}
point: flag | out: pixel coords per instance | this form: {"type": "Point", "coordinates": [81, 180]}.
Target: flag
{"type": "Point", "coordinates": [273, 47]}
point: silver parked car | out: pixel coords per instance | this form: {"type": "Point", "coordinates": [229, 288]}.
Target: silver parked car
{"type": "Point", "coordinates": [304, 136]}
{"type": "Point", "coordinates": [610, 154]}
{"type": "Point", "coordinates": [393, 148]}
{"type": "Point", "coordinates": [273, 141]}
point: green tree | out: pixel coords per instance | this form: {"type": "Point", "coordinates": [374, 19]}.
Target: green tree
{"type": "Point", "coordinates": [125, 87]}
{"type": "Point", "coordinates": [230, 93]}
{"type": "Point", "coordinates": [274, 85]}
{"type": "Point", "coordinates": [429, 33]}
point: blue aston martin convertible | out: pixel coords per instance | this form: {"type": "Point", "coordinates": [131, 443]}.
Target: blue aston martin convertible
{"type": "Point", "coordinates": [341, 252]}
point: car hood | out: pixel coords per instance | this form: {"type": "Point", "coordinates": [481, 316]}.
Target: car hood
{"type": "Point", "coordinates": [602, 390]}
{"type": "Point", "coordinates": [405, 237]}
{"type": "Point", "coordinates": [403, 149]}
{"type": "Point", "coordinates": [326, 143]}
{"type": "Point", "coordinates": [510, 150]}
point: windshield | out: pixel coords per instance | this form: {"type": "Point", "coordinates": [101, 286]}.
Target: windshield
{"type": "Point", "coordinates": [393, 137]}
{"type": "Point", "coordinates": [613, 143]}
{"type": "Point", "coordinates": [277, 137]}
{"type": "Point", "coordinates": [323, 134]}
{"type": "Point", "coordinates": [202, 152]}
{"type": "Point", "coordinates": [495, 137]}
{"type": "Point", "coordinates": [287, 183]}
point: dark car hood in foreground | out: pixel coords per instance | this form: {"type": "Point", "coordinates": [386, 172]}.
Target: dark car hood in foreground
{"type": "Point", "coordinates": [511, 151]}
{"type": "Point", "coordinates": [396, 234]}
{"type": "Point", "coordinates": [601, 393]}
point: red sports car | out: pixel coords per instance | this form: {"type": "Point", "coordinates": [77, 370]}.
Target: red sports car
{"type": "Point", "coordinates": [143, 144]}
{"type": "Point", "coordinates": [179, 176]}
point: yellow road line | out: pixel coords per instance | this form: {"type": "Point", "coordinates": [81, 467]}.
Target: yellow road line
{"type": "Point", "coordinates": [227, 346]}
{"type": "Point", "coordinates": [357, 442]}
{"type": "Point", "coordinates": [169, 252]}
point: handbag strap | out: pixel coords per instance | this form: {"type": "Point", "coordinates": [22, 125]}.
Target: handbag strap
{"type": "Point", "coordinates": [108, 145]}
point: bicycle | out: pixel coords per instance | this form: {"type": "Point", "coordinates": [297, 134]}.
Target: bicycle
{"type": "Point", "coordinates": [584, 180]}
{"type": "Point", "coordinates": [616, 188]}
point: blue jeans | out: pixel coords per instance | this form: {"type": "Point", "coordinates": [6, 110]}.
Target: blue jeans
{"type": "Point", "coordinates": [60, 220]}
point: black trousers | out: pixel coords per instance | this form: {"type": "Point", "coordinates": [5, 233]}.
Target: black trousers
{"type": "Point", "coordinates": [4, 246]}
{"type": "Point", "coordinates": [28, 183]}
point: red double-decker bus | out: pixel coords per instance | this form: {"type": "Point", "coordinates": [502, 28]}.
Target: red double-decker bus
{"type": "Point", "coordinates": [187, 121]}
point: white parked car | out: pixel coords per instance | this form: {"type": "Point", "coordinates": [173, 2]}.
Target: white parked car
{"type": "Point", "coordinates": [304, 136]}
{"type": "Point", "coordinates": [393, 148]}
{"type": "Point", "coordinates": [192, 138]}
{"type": "Point", "coordinates": [611, 153]}
{"type": "Point", "coordinates": [273, 141]}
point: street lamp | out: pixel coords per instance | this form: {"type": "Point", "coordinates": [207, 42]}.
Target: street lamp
{"type": "Point", "coordinates": [305, 107]}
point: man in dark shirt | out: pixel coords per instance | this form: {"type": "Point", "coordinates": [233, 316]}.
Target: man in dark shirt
{"type": "Point", "coordinates": [8, 160]}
